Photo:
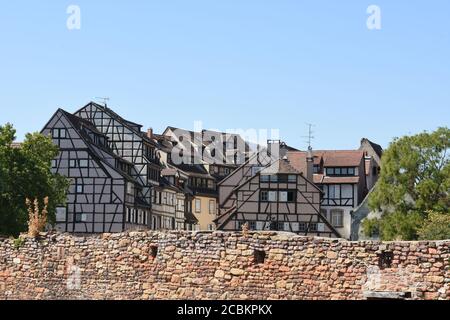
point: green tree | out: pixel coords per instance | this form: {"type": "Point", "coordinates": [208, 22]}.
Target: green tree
{"type": "Point", "coordinates": [25, 172]}
{"type": "Point", "coordinates": [435, 227]}
{"type": "Point", "coordinates": [414, 179]}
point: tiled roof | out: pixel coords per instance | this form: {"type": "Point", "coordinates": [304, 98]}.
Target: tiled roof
{"type": "Point", "coordinates": [280, 167]}
{"type": "Point", "coordinates": [341, 158]}
{"type": "Point", "coordinates": [297, 159]}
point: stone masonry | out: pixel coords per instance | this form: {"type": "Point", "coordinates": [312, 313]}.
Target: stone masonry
{"type": "Point", "coordinates": [184, 265]}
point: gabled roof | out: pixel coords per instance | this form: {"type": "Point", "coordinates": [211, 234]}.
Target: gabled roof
{"type": "Point", "coordinates": [281, 166]}
{"type": "Point", "coordinates": [340, 158]}
{"type": "Point", "coordinates": [134, 127]}
{"type": "Point", "coordinates": [376, 147]}
{"type": "Point", "coordinates": [78, 123]}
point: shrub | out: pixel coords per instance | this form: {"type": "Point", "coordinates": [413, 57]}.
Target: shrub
{"type": "Point", "coordinates": [37, 219]}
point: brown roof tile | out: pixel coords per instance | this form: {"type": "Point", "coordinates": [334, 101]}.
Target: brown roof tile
{"type": "Point", "coordinates": [341, 158]}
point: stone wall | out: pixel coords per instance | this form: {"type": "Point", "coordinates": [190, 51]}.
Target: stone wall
{"type": "Point", "coordinates": [181, 265]}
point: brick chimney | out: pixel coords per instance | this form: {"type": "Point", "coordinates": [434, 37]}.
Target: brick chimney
{"type": "Point", "coordinates": [150, 133]}
{"type": "Point", "coordinates": [310, 165]}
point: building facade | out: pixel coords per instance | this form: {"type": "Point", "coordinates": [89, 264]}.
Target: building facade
{"type": "Point", "coordinates": [268, 193]}
{"type": "Point", "coordinates": [102, 192]}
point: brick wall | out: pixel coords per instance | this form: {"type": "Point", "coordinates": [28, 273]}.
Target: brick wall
{"type": "Point", "coordinates": [181, 265]}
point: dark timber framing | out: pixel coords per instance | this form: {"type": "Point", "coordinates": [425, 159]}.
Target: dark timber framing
{"type": "Point", "coordinates": [243, 204]}
{"type": "Point", "coordinates": [97, 199]}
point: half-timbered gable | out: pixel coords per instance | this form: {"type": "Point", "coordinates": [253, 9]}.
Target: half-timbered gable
{"type": "Point", "coordinates": [271, 196]}
{"type": "Point", "coordinates": [98, 196]}
{"type": "Point", "coordinates": [127, 141]}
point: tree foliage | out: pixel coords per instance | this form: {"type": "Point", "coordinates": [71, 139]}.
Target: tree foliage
{"type": "Point", "coordinates": [436, 227]}
{"type": "Point", "coordinates": [414, 180]}
{"type": "Point", "coordinates": [25, 172]}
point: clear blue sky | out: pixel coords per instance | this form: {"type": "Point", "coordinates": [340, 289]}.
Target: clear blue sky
{"type": "Point", "coordinates": [233, 64]}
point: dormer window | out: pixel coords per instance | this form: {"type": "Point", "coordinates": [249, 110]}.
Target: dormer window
{"type": "Point", "coordinates": [350, 171]}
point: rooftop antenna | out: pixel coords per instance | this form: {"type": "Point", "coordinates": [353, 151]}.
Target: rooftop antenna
{"type": "Point", "coordinates": [310, 135]}
{"type": "Point", "coordinates": [105, 100]}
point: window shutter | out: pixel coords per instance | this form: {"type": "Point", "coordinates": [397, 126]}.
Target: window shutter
{"type": "Point", "coordinates": [321, 227]}
{"type": "Point", "coordinates": [286, 226]}
{"type": "Point", "coordinates": [295, 226]}
{"type": "Point", "coordinates": [259, 225]}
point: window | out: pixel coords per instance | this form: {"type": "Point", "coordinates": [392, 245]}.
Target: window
{"type": "Point", "coordinates": [316, 168]}
{"type": "Point", "coordinates": [83, 163]}
{"type": "Point", "coordinates": [198, 205]}
{"type": "Point", "coordinates": [340, 171]}
{"type": "Point", "coordinates": [59, 133]}
{"type": "Point", "coordinates": [260, 225]}
{"type": "Point", "coordinates": [79, 188]}
{"type": "Point", "coordinates": [252, 225]}
{"type": "Point", "coordinates": [72, 163]}
{"type": "Point", "coordinates": [54, 164]}
{"type": "Point", "coordinates": [337, 218]}
{"type": "Point", "coordinates": [227, 171]}
{"type": "Point", "coordinates": [265, 178]}
{"type": "Point", "coordinates": [375, 171]}
{"type": "Point", "coordinates": [290, 196]}
{"type": "Point", "coordinates": [61, 214]}
{"type": "Point", "coordinates": [347, 191]}
{"type": "Point", "coordinates": [280, 226]}
{"type": "Point", "coordinates": [274, 178]}
{"type": "Point", "coordinates": [211, 227]}
{"type": "Point", "coordinates": [80, 217]}
{"type": "Point", "coordinates": [287, 196]}
{"type": "Point", "coordinates": [212, 207]}
{"type": "Point", "coordinates": [272, 196]}
{"type": "Point", "coordinates": [302, 226]}
{"type": "Point", "coordinates": [264, 196]}
{"type": "Point", "coordinates": [313, 227]}
{"type": "Point", "coordinates": [130, 188]}
{"type": "Point", "coordinates": [292, 178]}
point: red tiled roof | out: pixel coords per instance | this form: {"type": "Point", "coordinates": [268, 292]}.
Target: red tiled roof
{"type": "Point", "coordinates": [297, 160]}
{"type": "Point", "coordinates": [341, 158]}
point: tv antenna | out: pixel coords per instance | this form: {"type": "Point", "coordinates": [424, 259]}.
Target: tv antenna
{"type": "Point", "coordinates": [105, 100]}
{"type": "Point", "coordinates": [310, 137]}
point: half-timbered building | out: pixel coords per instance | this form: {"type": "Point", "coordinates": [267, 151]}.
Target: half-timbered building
{"type": "Point", "coordinates": [102, 192]}
{"type": "Point", "coordinates": [127, 140]}
{"type": "Point", "coordinates": [268, 193]}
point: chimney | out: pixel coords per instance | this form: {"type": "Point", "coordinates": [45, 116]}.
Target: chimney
{"type": "Point", "coordinates": [310, 165]}
{"type": "Point", "coordinates": [150, 133]}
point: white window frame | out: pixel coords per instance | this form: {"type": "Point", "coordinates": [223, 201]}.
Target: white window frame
{"type": "Point", "coordinates": [212, 207]}
{"type": "Point", "coordinates": [198, 205]}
